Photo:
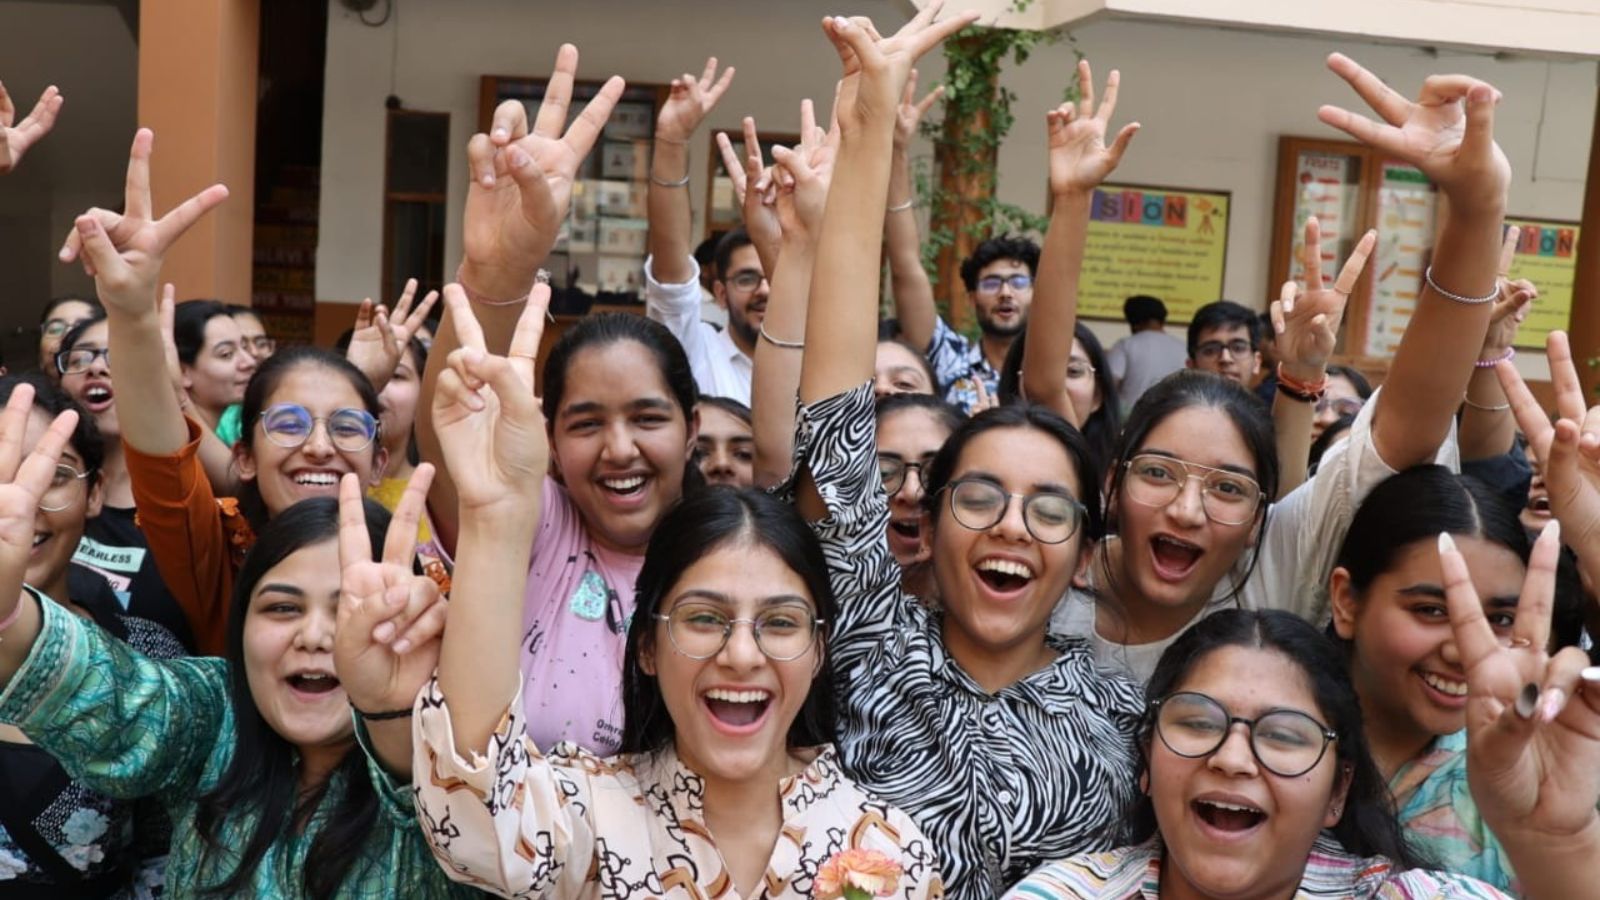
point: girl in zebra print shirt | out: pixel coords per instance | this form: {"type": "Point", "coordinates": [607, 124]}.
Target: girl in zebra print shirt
{"type": "Point", "coordinates": [1006, 745]}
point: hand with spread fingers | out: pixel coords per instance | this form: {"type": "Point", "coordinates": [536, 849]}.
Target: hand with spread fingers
{"type": "Point", "coordinates": [1307, 321]}
{"type": "Point", "coordinates": [123, 251]}
{"type": "Point", "coordinates": [379, 340]}
{"type": "Point", "coordinates": [1511, 307]}
{"type": "Point", "coordinates": [16, 137]}
{"type": "Point", "coordinates": [490, 427]}
{"type": "Point", "coordinates": [1533, 726]}
{"type": "Point", "coordinates": [24, 478]}
{"type": "Point", "coordinates": [1079, 157]}
{"type": "Point", "coordinates": [1448, 132]}
{"type": "Point", "coordinates": [909, 116]}
{"type": "Point", "coordinates": [690, 100]}
{"type": "Point", "coordinates": [754, 189]}
{"type": "Point", "coordinates": [522, 181]}
{"type": "Point", "coordinates": [802, 177]}
{"type": "Point", "coordinates": [390, 620]}
{"type": "Point", "coordinates": [876, 68]}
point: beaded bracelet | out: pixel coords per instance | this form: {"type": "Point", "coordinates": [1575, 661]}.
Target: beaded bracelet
{"type": "Point", "coordinates": [1511, 353]}
{"type": "Point", "coordinates": [1427, 275]}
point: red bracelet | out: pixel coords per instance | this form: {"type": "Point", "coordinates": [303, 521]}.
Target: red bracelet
{"type": "Point", "coordinates": [1304, 391]}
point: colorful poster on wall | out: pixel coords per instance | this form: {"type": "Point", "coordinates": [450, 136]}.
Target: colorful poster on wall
{"type": "Point", "coordinates": [1405, 234]}
{"type": "Point", "coordinates": [1165, 242]}
{"type": "Point", "coordinates": [1547, 255]}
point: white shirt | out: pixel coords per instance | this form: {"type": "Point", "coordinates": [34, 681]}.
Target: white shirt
{"type": "Point", "coordinates": [1304, 533]}
{"type": "Point", "coordinates": [720, 368]}
{"type": "Point", "coordinates": [1140, 360]}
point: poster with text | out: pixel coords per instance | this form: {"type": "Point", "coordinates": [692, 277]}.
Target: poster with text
{"type": "Point", "coordinates": [1547, 255]}
{"type": "Point", "coordinates": [1165, 242]}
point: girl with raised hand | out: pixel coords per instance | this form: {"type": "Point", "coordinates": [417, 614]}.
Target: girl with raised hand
{"type": "Point", "coordinates": [252, 756]}
{"type": "Point", "coordinates": [1196, 466]}
{"type": "Point", "coordinates": [1257, 782]}
{"type": "Point", "coordinates": [312, 416]}
{"type": "Point", "coordinates": [58, 835]}
{"type": "Point", "coordinates": [726, 780]}
{"type": "Point", "coordinates": [1004, 743]}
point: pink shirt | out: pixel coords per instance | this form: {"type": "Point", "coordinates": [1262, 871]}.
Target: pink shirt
{"type": "Point", "coordinates": [575, 614]}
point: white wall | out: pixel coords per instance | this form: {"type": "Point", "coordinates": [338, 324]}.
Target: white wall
{"type": "Point", "coordinates": [1212, 101]}
{"type": "Point", "coordinates": [88, 52]}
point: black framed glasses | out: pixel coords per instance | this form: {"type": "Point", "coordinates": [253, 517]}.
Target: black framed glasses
{"type": "Point", "coordinates": [746, 281]}
{"type": "Point", "coordinates": [80, 359]}
{"type": "Point", "coordinates": [892, 469]}
{"type": "Point", "coordinates": [1229, 498]}
{"type": "Point", "coordinates": [991, 284]}
{"type": "Point", "coordinates": [700, 630]}
{"type": "Point", "coordinates": [1237, 348]}
{"type": "Point", "coordinates": [289, 425]}
{"type": "Point", "coordinates": [63, 489]}
{"type": "Point", "coordinates": [1286, 742]}
{"type": "Point", "coordinates": [1050, 516]}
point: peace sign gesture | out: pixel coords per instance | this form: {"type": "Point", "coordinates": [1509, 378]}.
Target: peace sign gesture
{"type": "Point", "coordinates": [1455, 148]}
{"type": "Point", "coordinates": [493, 440]}
{"type": "Point", "coordinates": [1511, 307]}
{"type": "Point", "coordinates": [379, 340]}
{"type": "Point", "coordinates": [123, 252]}
{"type": "Point", "coordinates": [911, 111]}
{"type": "Point", "coordinates": [387, 642]}
{"type": "Point", "coordinates": [16, 139]}
{"type": "Point", "coordinates": [752, 188]}
{"type": "Point", "coordinates": [1307, 323]}
{"type": "Point", "coordinates": [690, 100]}
{"type": "Point", "coordinates": [1079, 157]}
{"type": "Point", "coordinates": [23, 480]}
{"type": "Point", "coordinates": [876, 68]}
{"type": "Point", "coordinates": [522, 181]}
{"type": "Point", "coordinates": [1533, 734]}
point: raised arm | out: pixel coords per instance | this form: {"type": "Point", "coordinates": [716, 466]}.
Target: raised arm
{"type": "Point", "coordinates": [15, 139]}
{"type": "Point", "coordinates": [1307, 327]}
{"type": "Point", "coordinates": [521, 188]}
{"type": "Point", "coordinates": [1533, 728]}
{"type": "Point", "coordinates": [378, 341]}
{"type": "Point", "coordinates": [1449, 134]}
{"type": "Point", "coordinates": [1487, 426]}
{"type": "Point", "coordinates": [494, 442]}
{"type": "Point", "coordinates": [23, 480]}
{"type": "Point", "coordinates": [801, 179]}
{"type": "Point", "coordinates": [1079, 162]}
{"type": "Point", "coordinates": [689, 102]}
{"type": "Point", "coordinates": [908, 280]}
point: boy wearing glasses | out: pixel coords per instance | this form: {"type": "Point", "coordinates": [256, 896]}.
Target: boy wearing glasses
{"type": "Point", "coordinates": [1222, 339]}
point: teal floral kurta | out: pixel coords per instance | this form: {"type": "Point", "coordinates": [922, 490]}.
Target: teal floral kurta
{"type": "Point", "coordinates": [129, 726]}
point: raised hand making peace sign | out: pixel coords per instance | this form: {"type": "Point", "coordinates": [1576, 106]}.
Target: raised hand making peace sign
{"type": "Point", "coordinates": [15, 139]}
{"type": "Point", "coordinates": [876, 68]}
{"type": "Point", "coordinates": [1079, 157]}
{"type": "Point", "coordinates": [23, 481]}
{"type": "Point", "coordinates": [1307, 322]}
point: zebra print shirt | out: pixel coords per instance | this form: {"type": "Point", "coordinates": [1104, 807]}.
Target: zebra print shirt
{"type": "Point", "coordinates": [1001, 783]}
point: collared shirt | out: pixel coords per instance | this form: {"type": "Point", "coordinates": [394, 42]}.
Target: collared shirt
{"type": "Point", "coordinates": [129, 726]}
{"type": "Point", "coordinates": [1442, 820]}
{"type": "Point", "coordinates": [1134, 873]}
{"type": "Point", "coordinates": [1000, 782]}
{"type": "Point", "coordinates": [720, 368]}
{"type": "Point", "coordinates": [572, 825]}
{"type": "Point", "coordinates": [958, 364]}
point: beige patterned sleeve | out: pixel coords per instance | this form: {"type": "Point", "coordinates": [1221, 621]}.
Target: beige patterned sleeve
{"type": "Point", "coordinates": [512, 821]}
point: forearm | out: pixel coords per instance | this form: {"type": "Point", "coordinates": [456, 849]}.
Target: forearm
{"type": "Point", "coordinates": [669, 212]}
{"type": "Point", "coordinates": [776, 378]}
{"type": "Point", "coordinates": [152, 419]}
{"type": "Point", "coordinates": [1434, 361]}
{"type": "Point", "coordinates": [1555, 868]}
{"type": "Point", "coordinates": [1291, 422]}
{"type": "Point", "coordinates": [1054, 313]}
{"type": "Point", "coordinates": [479, 660]}
{"type": "Point", "coordinates": [841, 328]}
{"type": "Point", "coordinates": [913, 292]}
{"type": "Point", "coordinates": [217, 460]}
{"type": "Point", "coordinates": [1488, 429]}
{"type": "Point", "coordinates": [391, 744]}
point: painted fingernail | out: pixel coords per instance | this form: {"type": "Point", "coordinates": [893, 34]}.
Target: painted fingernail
{"type": "Point", "coordinates": [1528, 700]}
{"type": "Point", "coordinates": [402, 645]}
{"type": "Point", "coordinates": [1591, 674]}
{"type": "Point", "coordinates": [1447, 544]}
{"type": "Point", "coordinates": [1554, 700]}
{"type": "Point", "coordinates": [499, 133]}
{"type": "Point", "coordinates": [383, 633]}
{"type": "Point", "coordinates": [487, 180]}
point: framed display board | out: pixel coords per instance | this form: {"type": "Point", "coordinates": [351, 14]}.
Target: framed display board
{"type": "Point", "coordinates": [1167, 242]}
{"type": "Point", "coordinates": [1547, 255]}
{"type": "Point", "coordinates": [722, 207]}
{"type": "Point", "coordinates": [599, 257]}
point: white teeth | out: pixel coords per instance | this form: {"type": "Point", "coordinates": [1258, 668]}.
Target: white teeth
{"type": "Point", "coordinates": [97, 394]}
{"type": "Point", "coordinates": [1005, 567]}
{"type": "Point", "coordinates": [728, 696]}
{"type": "Point", "coordinates": [1443, 686]}
{"type": "Point", "coordinates": [1230, 806]}
{"type": "Point", "coordinates": [623, 484]}
{"type": "Point", "coordinates": [323, 479]}
{"type": "Point", "coordinates": [40, 538]}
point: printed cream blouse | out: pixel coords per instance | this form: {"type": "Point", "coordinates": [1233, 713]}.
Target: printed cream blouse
{"type": "Point", "coordinates": [573, 825]}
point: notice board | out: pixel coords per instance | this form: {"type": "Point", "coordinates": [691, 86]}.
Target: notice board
{"type": "Point", "coordinates": [1170, 243]}
{"type": "Point", "coordinates": [1547, 255]}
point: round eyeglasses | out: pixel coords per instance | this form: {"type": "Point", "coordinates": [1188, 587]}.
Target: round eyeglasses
{"type": "Point", "coordinates": [1228, 497]}
{"type": "Point", "coordinates": [1286, 742]}
{"type": "Point", "coordinates": [289, 425]}
{"type": "Point", "coordinates": [745, 281]}
{"type": "Point", "coordinates": [80, 359]}
{"type": "Point", "coordinates": [63, 489]}
{"type": "Point", "coordinates": [700, 631]}
{"type": "Point", "coordinates": [892, 469]}
{"type": "Point", "coordinates": [979, 505]}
